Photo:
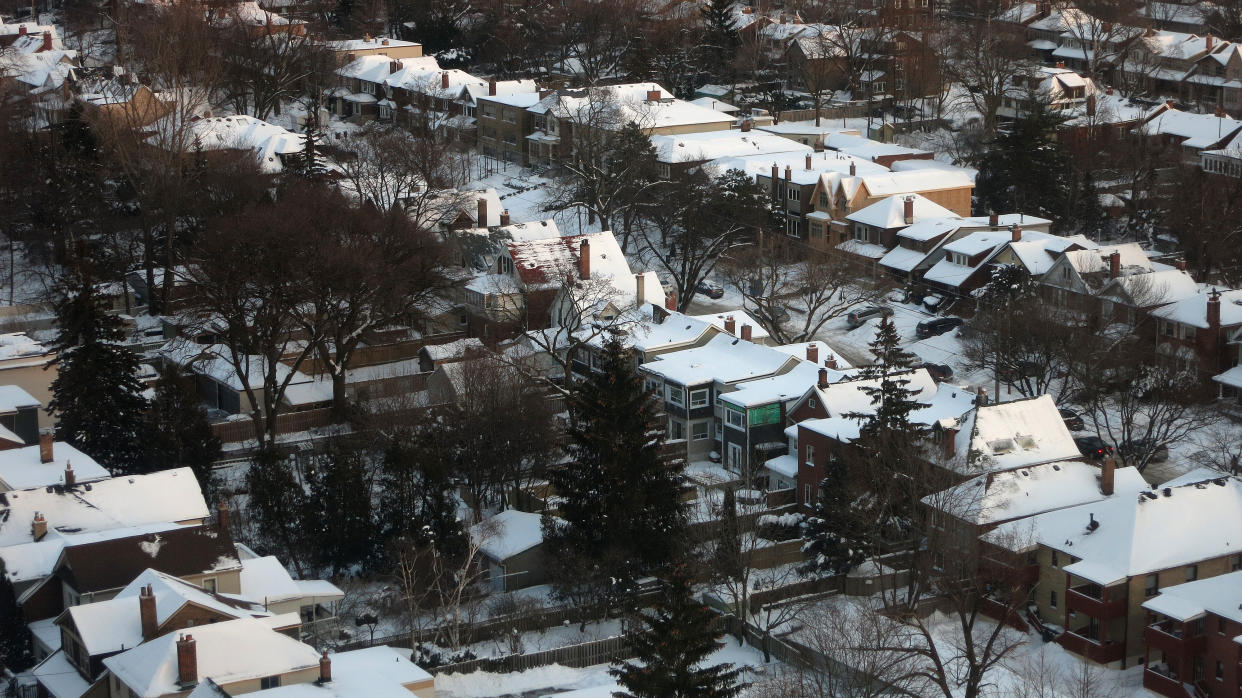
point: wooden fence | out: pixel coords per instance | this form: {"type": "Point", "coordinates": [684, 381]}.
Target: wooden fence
{"type": "Point", "coordinates": [839, 111]}
{"type": "Point", "coordinates": [288, 423]}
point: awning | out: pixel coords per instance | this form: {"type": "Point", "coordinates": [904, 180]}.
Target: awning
{"type": "Point", "coordinates": [1232, 377]}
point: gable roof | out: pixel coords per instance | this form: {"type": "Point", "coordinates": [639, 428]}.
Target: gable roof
{"type": "Point", "coordinates": [1016, 434]}
{"type": "Point", "coordinates": [183, 551]}
{"type": "Point", "coordinates": [509, 533]}
{"type": "Point", "coordinates": [848, 404]}
{"type": "Point", "coordinates": [23, 468]}
{"type": "Point", "coordinates": [1220, 596]}
{"type": "Point", "coordinates": [1193, 309]}
{"type": "Point", "coordinates": [1157, 288]}
{"type": "Point", "coordinates": [696, 147]}
{"type": "Point", "coordinates": [891, 212]}
{"type": "Point", "coordinates": [1197, 131]}
{"type": "Point", "coordinates": [724, 358]}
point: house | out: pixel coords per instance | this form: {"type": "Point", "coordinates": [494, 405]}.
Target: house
{"type": "Point", "coordinates": [264, 580]}
{"type": "Point", "coordinates": [19, 413]}
{"type": "Point", "coordinates": [1099, 563]}
{"type": "Point", "coordinates": [1159, 61]}
{"type": "Point", "coordinates": [1076, 279]}
{"type": "Point", "coordinates": [1191, 637]}
{"type": "Point", "coordinates": [681, 153]}
{"type": "Point", "coordinates": [1056, 88]}
{"type": "Point", "coordinates": [877, 225]}
{"type": "Point", "coordinates": [807, 133]}
{"type": "Point", "coordinates": [504, 122]}
{"type": "Point", "coordinates": [885, 154]}
{"type": "Point", "coordinates": [122, 103]}
{"type": "Point", "coordinates": [1194, 332]}
{"type": "Point", "coordinates": [27, 364]}
{"type": "Point", "coordinates": [690, 383]}
{"type": "Point", "coordinates": [46, 463]}
{"type": "Point", "coordinates": [348, 49]}
{"type": "Point", "coordinates": [921, 245]}
{"type": "Point", "coordinates": [378, 672]}
{"type": "Point", "coordinates": [837, 195]}
{"type": "Point", "coordinates": [272, 146]}
{"type": "Point", "coordinates": [222, 387]}
{"type": "Point", "coordinates": [1130, 299]}
{"type": "Point", "coordinates": [434, 355]}
{"type": "Point", "coordinates": [1191, 133]}
{"type": "Point", "coordinates": [965, 263]}
{"type": "Point", "coordinates": [512, 543]}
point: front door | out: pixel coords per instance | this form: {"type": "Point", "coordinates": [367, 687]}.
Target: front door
{"type": "Point", "coordinates": [735, 458]}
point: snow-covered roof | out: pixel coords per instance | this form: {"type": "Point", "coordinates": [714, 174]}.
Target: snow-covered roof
{"type": "Point", "coordinates": [934, 165]}
{"type": "Point", "coordinates": [785, 466]}
{"type": "Point", "coordinates": [784, 388]}
{"type": "Point", "coordinates": [891, 212]}
{"type": "Point", "coordinates": [1199, 131]}
{"type": "Point", "coordinates": [697, 147]}
{"type": "Point", "coordinates": [628, 103]}
{"type": "Point", "coordinates": [648, 335]}
{"type": "Point", "coordinates": [1135, 536]}
{"type": "Point", "coordinates": [235, 650]}
{"type": "Point", "coordinates": [33, 561]}
{"type": "Point", "coordinates": [1097, 261]}
{"type": "Point", "coordinates": [375, 672]}
{"type": "Point", "coordinates": [713, 103]}
{"type": "Point", "coordinates": [18, 345]}
{"type": "Point", "coordinates": [453, 350]}
{"type": "Point", "coordinates": [13, 398]}
{"type": "Point", "coordinates": [1193, 310]}
{"type": "Point", "coordinates": [267, 141]}
{"type": "Point", "coordinates": [994, 498]}
{"type": "Point", "coordinates": [823, 352]}
{"type": "Point", "coordinates": [60, 677]}
{"type": "Point", "coordinates": [866, 148]}
{"type": "Point", "coordinates": [526, 91]}
{"type": "Point", "coordinates": [805, 128]}
{"type": "Point", "coordinates": [265, 580]}
{"type": "Point", "coordinates": [374, 42]}
{"type": "Point", "coordinates": [209, 360]}
{"type": "Point", "coordinates": [44, 69]}
{"type": "Point", "coordinates": [847, 404]}
{"type": "Point", "coordinates": [1157, 288]}
{"type": "Point", "coordinates": [1220, 596]}
{"type": "Point", "coordinates": [23, 468]}
{"type": "Point", "coordinates": [913, 181]}
{"type": "Point", "coordinates": [1019, 434]}
{"type": "Point", "coordinates": [168, 495]}
{"type": "Point", "coordinates": [723, 359]}
{"type": "Point", "coordinates": [822, 164]}
{"type": "Point", "coordinates": [740, 317]}
{"type": "Point", "coordinates": [509, 533]}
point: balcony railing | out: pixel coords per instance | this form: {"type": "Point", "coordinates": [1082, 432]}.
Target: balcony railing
{"type": "Point", "coordinates": [1160, 682]}
{"type": "Point", "coordinates": [994, 570]}
{"type": "Point", "coordinates": [1090, 600]}
{"type": "Point", "coordinates": [1102, 652]}
{"type": "Point", "coordinates": [1168, 637]}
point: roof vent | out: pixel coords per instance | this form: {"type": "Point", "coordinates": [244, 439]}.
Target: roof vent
{"type": "Point", "coordinates": [1092, 524]}
{"type": "Point", "coordinates": [1056, 467]}
{"type": "Point", "coordinates": [1168, 491]}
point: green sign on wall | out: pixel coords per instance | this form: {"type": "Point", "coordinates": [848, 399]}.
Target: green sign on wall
{"type": "Point", "coordinates": [768, 414]}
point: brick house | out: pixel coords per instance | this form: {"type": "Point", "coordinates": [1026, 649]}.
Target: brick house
{"type": "Point", "coordinates": [1195, 332]}
{"type": "Point", "coordinates": [1192, 636]}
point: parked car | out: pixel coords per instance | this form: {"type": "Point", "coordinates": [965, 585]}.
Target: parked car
{"type": "Point", "coordinates": [933, 301]}
{"type": "Point", "coordinates": [939, 372]}
{"type": "Point", "coordinates": [858, 318]}
{"type": "Point", "coordinates": [1093, 447]}
{"type": "Point", "coordinates": [710, 288]}
{"type": "Point", "coordinates": [1132, 450]}
{"type": "Point", "coordinates": [1073, 420]}
{"type": "Point", "coordinates": [936, 326]}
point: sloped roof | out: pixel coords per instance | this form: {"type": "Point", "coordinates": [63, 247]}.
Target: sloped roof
{"type": "Point", "coordinates": [696, 147]}
{"type": "Point", "coordinates": [724, 358]}
{"type": "Point", "coordinates": [1193, 309]}
{"type": "Point", "coordinates": [112, 564]}
{"type": "Point", "coordinates": [1220, 596]}
{"type": "Point", "coordinates": [847, 404]}
{"type": "Point", "coordinates": [23, 468]}
{"type": "Point", "coordinates": [890, 212]}
{"type": "Point", "coordinates": [1020, 433]}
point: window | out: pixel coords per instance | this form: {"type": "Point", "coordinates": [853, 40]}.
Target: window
{"type": "Point", "coordinates": [1052, 599]}
{"type": "Point", "coordinates": [209, 585]}
{"type": "Point", "coordinates": [1236, 563]}
{"type": "Point", "coordinates": [1152, 586]}
{"type": "Point", "coordinates": [810, 455]}
{"type": "Point", "coordinates": [1192, 573]}
{"type": "Point", "coordinates": [698, 398]}
{"type": "Point", "coordinates": [1056, 562]}
{"type": "Point", "coordinates": [735, 418]}
{"type": "Point", "coordinates": [368, 87]}
{"type": "Point", "coordinates": [719, 430]}
{"type": "Point", "coordinates": [794, 193]}
{"type": "Point", "coordinates": [699, 431]}
{"type": "Point", "coordinates": [793, 227]}
{"type": "Point", "coordinates": [806, 496]}
{"type": "Point", "coordinates": [269, 682]}
{"type": "Point", "coordinates": [816, 230]}
{"type": "Point", "coordinates": [677, 395]}
{"type": "Point", "coordinates": [861, 233]}
{"type": "Point", "coordinates": [653, 385]}
{"type": "Point", "coordinates": [677, 430]}
{"type": "Point", "coordinates": [823, 200]}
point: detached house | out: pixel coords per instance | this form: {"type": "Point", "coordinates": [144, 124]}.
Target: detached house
{"type": "Point", "coordinates": [922, 245]}
{"type": "Point", "coordinates": [1192, 638]}
{"type": "Point", "coordinates": [1195, 333]}
{"type": "Point", "coordinates": [1193, 134]}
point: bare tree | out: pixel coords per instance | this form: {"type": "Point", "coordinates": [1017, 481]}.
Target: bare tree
{"type": "Point", "coordinates": [984, 56]}
{"type": "Point", "coordinates": [387, 166]}
{"type": "Point", "coordinates": [266, 69]}
{"type": "Point", "coordinates": [1100, 30]}
{"type": "Point", "coordinates": [601, 35]}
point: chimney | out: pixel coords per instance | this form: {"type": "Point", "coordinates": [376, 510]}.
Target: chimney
{"type": "Point", "coordinates": [222, 514]}
{"type": "Point", "coordinates": [948, 443]}
{"type": "Point", "coordinates": [788, 173]}
{"type": "Point", "coordinates": [670, 301]}
{"type": "Point", "coordinates": [730, 325]}
{"type": "Point", "coordinates": [776, 175]}
{"type": "Point", "coordinates": [653, 95]}
{"type": "Point", "coordinates": [45, 447]}
{"type": "Point", "coordinates": [993, 219]}
{"type": "Point", "coordinates": [504, 217]}
{"type": "Point", "coordinates": [1213, 309]}
{"type": "Point", "coordinates": [831, 362]}
{"type": "Point", "coordinates": [981, 399]}
{"type": "Point", "coordinates": [638, 294]}
{"type": "Point", "coordinates": [393, 66]}
{"type": "Point", "coordinates": [482, 213]}
{"type": "Point", "coordinates": [384, 42]}
{"type": "Point", "coordinates": [808, 161]}
{"type": "Point", "coordinates": [21, 30]}
{"type": "Point", "coordinates": [38, 527]}
{"type": "Point", "coordinates": [1015, 233]}
{"type": "Point", "coordinates": [47, 41]}
{"type": "Point", "coordinates": [784, 18]}
{"type": "Point", "coordinates": [1108, 91]}
{"type": "Point", "coordinates": [1107, 472]}
{"type": "Point", "coordinates": [325, 668]}
{"type": "Point", "coordinates": [909, 210]}
{"type": "Point", "coordinates": [444, 80]}
{"type": "Point", "coordinates": [146, 614]}
{"type": "Point", "coordinates": [187, 661]}
{"type": "Point", "coordinates": [491, 87]}
{"type": "Point", "coordinates": [1114, 264]}
{"type": "Point", "coordinates": [812, 352]}
{"type": "Point", "coordinates": [1181, 265]}
{"type": "Point", "coordinates": [1061, 64]}
{"type": "Point", "coordinates": [853, 168]}
{"type": "Point", "coordinates": [1207, 40]}
{"type": "Point", "coordinates": [745, 125]}
{"type": "Point", "coordinates": [544, 94]}
{"type": "Point", "coordinates": [823, 378]}
{"type": "Point", "coordinates": [366, 38]}
{"type": "Point", "coordinates": [584, 260]}
{"type": "Point", "coordinates": [70, 479]}
{"type": "Point", "coordinates": [1091, 104]}
{"type": "Point", "coordinates": [746, 330]}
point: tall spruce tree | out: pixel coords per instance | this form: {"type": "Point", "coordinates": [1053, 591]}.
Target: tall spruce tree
{"type": "Point", "coordinates": [337, 513]}
{"type": "Point", "coordinates": [96, 397]}
{"type": "Point", "coordinates": [671, 652]}
{"type": "Point", "coordinates": [16, 642]}
{"type": "Point", "coordinates": [177, 432]}
{"type": "Point", "coordinates": [720, 40]}
{"type": "Point", "coordinates": [621, 511]}
{"type": "Point", "coordinates": [835, 542]}
{"type": "Point", "coordinates": [277, 501]}
{"type": "Point", "coordinates": [1027, 169]}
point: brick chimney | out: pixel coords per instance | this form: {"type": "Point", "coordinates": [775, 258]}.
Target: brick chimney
{"type": "Point", "coordinates": [653, 95]}
{"type": "Point", "coordinates": [831, 362]}
{"type": "Point", "coordinates": [1091, 104]}
{"type": "Point", "coordinates": [788, 173]}
{"type": "Point", "coordinates": [853, 168]}
{"type": "Point", "coordinates": [730, 325]}
{"type": "Point", "coordinates": [1015, 233]}
{"type": "Point", "coordinates": [584, 261]}
{"type": "Point", "coordinates": [21, 30]}
{"type": "Point", "coordinates": [222, 514]}
{"type": "Point", "coordinates": [46, 440]}
{"type": "Point", "coordinates": [70, 478]}
{"type": "Point", "coordinates": [394, 66]}
{"type": "Point", "coordinates": [1107, 474]}
{"type": "Point", "coordinates": [187, 661]}
{"type": "Point", "coordinates": [1213, 309]}
{"type": "Point", "coordinates": [745, 125]}
{"type": "Point", "coordinates": [325, 668]}
{"type": "Point", "coordinates": [1181, 265]}
{"type": "Point", "coordinates": [482, 213]}
{"type": "Point", "coordinates": [776, 175]}
{"type": "Point", "coordinates": [993, 219]}
{"type": "Point", "coordinates": [639, 291]}
{"type": "Point", "coordinates": [812, 352]}
{"type": "Point", "coordinates": [504, 217]}
{"type": "Point", "coordinates": [808, 161]}
{"type": "Point", "coordinates": [823, 378]}
{"type": "Point", "coordinates": [444, 80]}
{"type": "Point", "coordinates": [146, 614]}
{"type": "Point", "coordinates": [38, 527]}
{"type": "Point", "coordinates": [1061, 64]}
{"type": "Point", "coordinates": [670, 301]}
{"type": "Point", "coordinates": [908, 209]}
{"type": "Point", "coordinates": [948, 445]}
{"type": "Point", "coordinates": [1207, 42]}
{"type": "Point", "coordinates": [746, 331]}
{"type": "Point", "coordinates": [1114, 264]}
{"type": "Point", "coordinates": [384, 42]}
{"type": "Point", "coordinates": [491, 87]}
{"type": "Point", "coordinates": [47, 41]}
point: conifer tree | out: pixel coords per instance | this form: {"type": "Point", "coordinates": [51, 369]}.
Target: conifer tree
{"type": "Point", "coordinates": [671, 653]}
{"type": "Point", "coordinates": [177, 433]}
{"type": "Point", "coordinates": [833, 544]}
{"type": "Point", "coordinates": [621, 509]}
{"type": "Point", "coordinates": [337, 512]}
{"type": "Point", "coordinates": [1089, 215]}
{"type": "Point", "coordinates": [277, 501]}
{"type": "Point", "coordinates": [1027, 169]}
{"type": "Point", "coordinates": [16, 642]}
{"type": "Point", "coordinates": [720, 40]}
{"type": "Point", "coordinates": [96, 396]}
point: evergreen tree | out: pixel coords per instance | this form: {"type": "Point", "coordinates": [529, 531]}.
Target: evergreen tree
{"type": "Point", "coordinates": [1027, 169]}
{"type": "Point", "coordinates": [277, 501]}
{"type": "Point", "coordinates": [177, 432]}
{"type": "Point", "coordinates": [670, 654]}
{"type": "Point", "coordinates": [621, 501]}
{"type": "Point", "coordinates": [1089, 216]}
{"type": "Point", "coordinates": [16, 643]}
{"type": "Point", "coordinates": [832, 541]}
{"type": "Point", "coordinates": [337, 515]}
{"type": "Point", "coordinates": [720, 40]}
{"type": "Point", "coordinates": [728, 560]}
{"type": "Point", "coordinates": [890, 395]}
{"type": "Point", "coordinates": [96, 396]}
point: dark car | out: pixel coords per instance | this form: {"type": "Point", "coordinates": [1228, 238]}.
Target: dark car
{"type": "Point", "coordinates": [1133, 450]}
{"type": "Point", "coordinates": [1093, 447]}
{"type": "Point", "coordinates": [939, 372]}
{"type": "Point", "coordinates": [711, 289]}
{"type": "Point", "coordinates": [936, 326]}
{"type": "Point", "coordinates": [858, 318]}
{"type": "Point", "coordinates": [1073, 420]}
{"type": "Point", "coordinates": [933, 301]}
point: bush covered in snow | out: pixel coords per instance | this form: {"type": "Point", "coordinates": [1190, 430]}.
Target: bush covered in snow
{"type": "Point", "coordinates": [779, 527]}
